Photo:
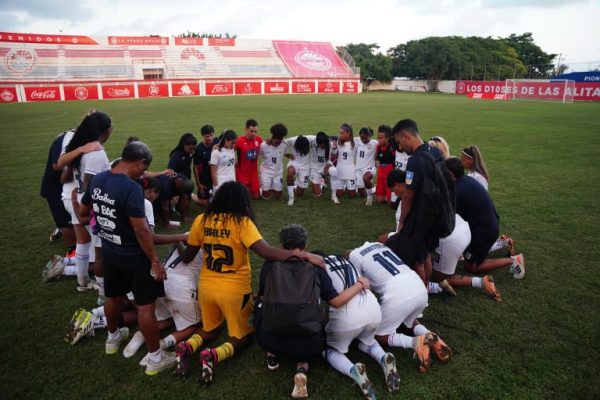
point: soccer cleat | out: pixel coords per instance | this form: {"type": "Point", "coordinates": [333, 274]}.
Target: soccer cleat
{"type": "Point", "coordinates": [55, 235]}
{"type": "Point", "coordinates": [100, 300]}
{"type": "Point", "coordinates": [91, 285]}
{"type": "Point", "coordinates": [447, 287]}
{"type": "Point", "coordinates": [53, 269]}
{"type": "Point", "coordinates": [509, 243]}
{"type": "Point", "coordinates": [207, 357]}
{"type": "Point", "coordinates": [335, 200]}
{"type": "Point", "coordinates": [112, 345]}
{"type": "Point", "coordinates": [167, 360]}
{"type": "Point", "coordinates": [369, 201]}
{"type": "Point", "coordinates": [73, 324]}
{"type": "Point", "coordinates": [144, 361]}
{"type": "Point", "coordinates": [359, 375]}
{"type": "Point", "coordinates": [183, 357]}
{"type": "Point", "coordinates": [392, 379]}
{"type": "Point", "coordinates": [272, 362]}
{"type": "Point", "coordinates": [300, 380]}
{"type": "Point", "coordinates": [517, 268]}
{"type": "Point", "coordinates": [439, 347]}
{"type": "Point", "coordinates": [134, 345]}
{"type": "Point", "coordinates": [290, 201]}
{"type": "Point", "coordinates": [490, 287]}
{"type": "Point", "coordinates": [70, 254]}
{"type": "Point", "coordinates": [85, 328]}
{"type": "Point", "coordinates": [422, 352]}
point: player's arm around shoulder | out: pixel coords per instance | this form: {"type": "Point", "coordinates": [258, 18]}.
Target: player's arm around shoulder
{"type": "Point", "coordinates": [340, 300]}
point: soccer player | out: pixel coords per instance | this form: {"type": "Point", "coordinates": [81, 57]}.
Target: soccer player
{"type": "Point", "coordinates": [473, 162]}
{"type": "Point", "coordinates": [344, 179]}
{"type": "Point", "coordinates": [320, 154]}
{"type": "Point", "coordinates": [440, 143]}
{"type": "Point", "coordinates": [385, 157]}
{"type": "Point", "coordinates": [366, 150]}
{"type": "Point", "coordinates": [202, 165]}
{"type": "Point", "coordinates": [170, 187]}
{"type": "Point", "coordinates": [298, 169]}
{"type": "Point", "coordinates": [271, 169]}
{"type": "Point", "coordinates": [222, 160]}
{"type": "Point", "coordinates": [359, 319]}
{"type": "Point", "coordinates": [246, 169]}
{"type": "Point", "coordinates": [180, 158]}
{"type": "Point", "coordinates": [225, 232]}
{"type": "Point", "coordinates": [475, 206]}
{"type": "Point", "coordinates": [403, 298]}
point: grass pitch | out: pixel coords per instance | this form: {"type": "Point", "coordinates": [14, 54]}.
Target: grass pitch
{"type": "Point", "coordinates": [540, 342]}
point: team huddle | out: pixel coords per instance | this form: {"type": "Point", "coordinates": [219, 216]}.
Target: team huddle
{"type": "Point", "coordinates": [105, 212]}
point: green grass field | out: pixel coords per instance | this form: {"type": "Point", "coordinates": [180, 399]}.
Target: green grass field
{"type": "Point", "coordinates": [539, 343]}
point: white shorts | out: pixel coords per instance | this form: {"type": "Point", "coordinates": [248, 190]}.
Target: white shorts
{"type": "Point", "coordinates": [397, 310]}
{"type": "Point", "coordinates": [316, 174]}
{"type": "Point", "coordinates": [270, 180]}
{"type": "Point", "coordinates": [341, 184]}
{"type": "Point", "coordinates": [69, 207]}
{"type": "Point", "coordinates": [360, 173]}
{"type": "Point", "coordinates": [393, 198]}
{"type": "Point", "coordinates": [451, 248]}
{"type": "Point", "coordinates": [180, 303]}
{"type": "Point", "coordinates": [341, 340]}
{"type": "Point", "coordinates": [302, 175]}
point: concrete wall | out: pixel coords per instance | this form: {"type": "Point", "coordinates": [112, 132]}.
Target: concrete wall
{"type": "Point", "coordinates": [413, 86]}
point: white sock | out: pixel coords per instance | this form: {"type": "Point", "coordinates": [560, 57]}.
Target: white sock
{"type": "Point", "coordinates": [339, 361]}
{"type": "Point", "coordinates": [68, 261]}
{"type": "Point", "coordinates": [498, 244]}
{"type": "Point", "coordinates": [477, 282]}
{"type": "Point", "coordinates": [114, 335]}
{"type": "Point", "coordinates": [100, 282]}
{"type": "Point", "coordinates": [98, 311]}
{"type": "Point", "coordinates": [100, 323]}
{"type": "Point", "coordinates": [291, 191]}
{"type": "Point", "coordinates": [370, 193]}
{"type": "Point", "coordinates": [155, 357]}
{"type": "Point", "coordinates": [434, 288]}
{"type": "Point", "coordinates": [170, 341]}
{"type": "Point", "coordinates": [70, 270]}
{"type": "Point", "coordinates": [420, 330]}
{"type": "Point", "coordinates": [82, 258]}
{"type": "Point", "coordinates": [400, 340]}
{"type": "Point", "coordinates": [375, 351]}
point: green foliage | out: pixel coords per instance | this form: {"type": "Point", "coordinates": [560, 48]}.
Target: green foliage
{"type": "Point", "coordinates": [374, 66]}
{"type": "Point", "coordinates": [539, 63]}
{"type": "Point", "coordinates": [539, 343]}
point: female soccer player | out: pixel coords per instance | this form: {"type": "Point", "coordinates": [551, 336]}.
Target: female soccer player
{"type": "Point", "coordinates": [225, 232]}
{"type": "Point", "coordinates": [440, 143]}
{"type": "Point", "coordinates": [473, 162]}
{"type": "Point", "coordinates": [366, 148]}
{"type": "Point", "coordinates": [344, 179]}
{"type": "Point", "coordinates": [320, 153]}
{"type": "Point", "coordinates": [222, 160]}
{"type": "Point", "coordinates": [385, 157]}
{"type": "Point", "coordinates": [180, 159]}
{"type": "Point", "coordinates": [271, 169]}
{"type": "Point", "coordinates": [298, 167]}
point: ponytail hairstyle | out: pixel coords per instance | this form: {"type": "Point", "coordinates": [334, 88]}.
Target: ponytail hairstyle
{"type": "Point", "coordinates": [323, 140]}
{"type": "Point", "coordinates": [89, 130]}
{"type": "Point", "coordinates": [367, 130]}
{"type": "Point", "coordinates": [347, 128]}
{"type": "Point", "coordinates": [302, 145]}
{"type": "Point", "coordinates": [227, 135]}
{"type": "Point", "coordinates": [440, 143]}
{"type": "Point", "coordinates": [186, 139]}
{"type": "Point", "coordinates": [474, 154]}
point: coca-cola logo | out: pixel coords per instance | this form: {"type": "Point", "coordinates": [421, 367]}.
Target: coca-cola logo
{"type": "Point", "coordinates": [43, 94]}
{"type": "Point", "coordinates": [185, 90]}
{"type": "Point", "coordinates": [7, 95]}
{"type": "Point", "coordinates": [118, 92]}
{"type": "Point", "coordinates": [20, 61]}
{"type": "Point", "coordinates": [461, 87]}
{"type": "Point", "coordinates": [218, 88]}
{"type": "Point", "coordinates": [81, 93]}
{"type": "Point", "coordinates": [313, 60]}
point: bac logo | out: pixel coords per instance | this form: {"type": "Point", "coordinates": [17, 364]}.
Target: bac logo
{"type": "Point", "coordinates": [409, 177]}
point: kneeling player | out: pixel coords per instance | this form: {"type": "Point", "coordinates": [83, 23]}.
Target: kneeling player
{"type": "Point", "coordinates": [298, 167]}
{"type": "Point", "coordinates": [366, 148]}
{"type": "Point", "coordinates": [344, 178]}
{"type": "Point", "coordinates": [271, 169]}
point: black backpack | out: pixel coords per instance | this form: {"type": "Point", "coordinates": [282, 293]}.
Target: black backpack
{"type": "Point", "coordinates": [291, 300]}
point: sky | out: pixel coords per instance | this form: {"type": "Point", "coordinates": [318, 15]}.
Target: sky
{"type": "Point", "coordinates": [565, 27]}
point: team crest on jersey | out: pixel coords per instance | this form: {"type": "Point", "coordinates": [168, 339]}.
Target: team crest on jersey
{"type": "Point", "coordinates": [409, 177]}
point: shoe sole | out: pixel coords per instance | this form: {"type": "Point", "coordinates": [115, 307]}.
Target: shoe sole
{"type": "Point", "coordinates": [392, 379]}
{"type": "Point", "coordinates": [442, 351]}
{"type": "Point", "coordinates": [300, 390]}
{"type": "Point", "coordinates": [153, 372]}
{"type": "Point", "coordinates": [116, 349]}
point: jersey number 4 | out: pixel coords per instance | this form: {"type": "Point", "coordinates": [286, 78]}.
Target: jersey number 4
{"type": "Point", "coordinates": [216, 264]}
{"type": "Point", "coordinates": [388, 260]}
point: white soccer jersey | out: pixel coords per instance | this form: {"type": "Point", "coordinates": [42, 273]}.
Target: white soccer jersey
{"type": "Point", "coordinates": [69, 186]}
{"type": "Point", "coordinates": [272, 162]}
{"type": "Point", "coordinates": [345, 161]}
{"type": "Point", "coordinates": [386, 272]}
{"type": "Point", "coordinates": [401, 160]}
{"type": "Point", "coordinates": [365, 153]}
{"type": "Point", "coordinates": [300, 161]}
{"type": "Point", "coordinates": [91, 163]}
{"type": "Point", "coordinates": [224, 159]}
{"type": "Point", "coordinates": [149, 211]}
{"type": "Point", "coordinates": [479, 178]}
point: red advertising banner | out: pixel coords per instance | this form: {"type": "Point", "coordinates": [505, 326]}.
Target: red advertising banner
{"type": "Point", "coordinates": [248, 88]}
{"type": "Point", "coordinates": [221, 41]}
{"type": "Point", "coordinates": [219, 88]}
{"type": "Point", "coordinates": [185, 89]}
{"type": "Point", "coordinates": [329, 87]}
{"type": "Point", "coordinates": [139, 40]}
{"type": "Point", "coordinates": [48, 93]}
{"type": "Point", "coordinates": [153, 90]}
{"type": "Point", "coordinates": [118, 91]}
{"type": "Point", "coordinates": [189, 41]}
{"type": "Point", "coordinates": [303, 87]}
{"type": "Point", "coordinates": [350, 87]}
{"type": "Point", "coordinates": [43, 38]}
{"type": "Point", "coordinates": [587, 91]}
{"type": "Point", "coordinates": [312, 59]}
{"type": "Point", "coordinates": [8, 95]}
{"type": "Point", "coordinates": [530, 89]}
{"type": "Point", "coordinates": [277, 87]}
{"type": "Point", "coordinates": [81, 92]}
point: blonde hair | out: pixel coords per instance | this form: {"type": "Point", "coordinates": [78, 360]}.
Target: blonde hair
{"type": "Point", "coordinates": [478, 164]}
{"type": "Point", "coordinates": [440, 143]}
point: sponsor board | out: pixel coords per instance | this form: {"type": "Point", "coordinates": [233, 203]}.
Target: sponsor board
{"type": "Point", "coordinates": [138, 40]}
{"type": "Point", "coordinates": [20, 61]}
{"type": "Point", "coordinates": [312, 59]}
{"type": "Point", "coordinates": [219, 88]}
{"type": "Point", "coordinates": [81, 92]}
{"type": "Point", "coordinates": [185, 89]}
{"type": "Point", "coordinates": [40, 38]}
{"type": "Point", "coordinates": [531, 89]}
{"type": "Point", "coordinates": [189, 41]}
{"type": "Point", "coordinates": [277, 87]}
{"type": "Point", "coordinates": [8, 95]}
{"type": "Point", "coordinates": [329, 87]}
{"type": "Point", "coordinates": [303, 87]}
{"type": "Point", "coordinates": [153, 90]}
{"type": "Point", "coordinates": [49, 93]}
{"type": "Point", "coordinates": [350, 87]}
{"type": "Point", "coordinates": [118, 91]}
{"type": "Point", "coordinates": [221, 41]}
{"type": "Point", "coordinates": [247, 88]}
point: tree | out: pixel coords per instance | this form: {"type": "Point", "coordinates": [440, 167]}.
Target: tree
{"type": "Point", "coordinates": [539, 63]}
{"type": "Point", "coordinates": [374, 66]}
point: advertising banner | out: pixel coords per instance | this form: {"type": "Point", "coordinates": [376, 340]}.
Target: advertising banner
{"type": "Point", "coordinates": [248, 88]}
{"type": "Point", "coordinates": [311, 59]}
{"type": "Point", "coordinates": [153, 90]}
{"type": "Point", "coordinates": [189, 41]}
{"type": "Point", "coordinates": [350, 87]}
{"type": "Point", "coordinates": [219, 88]}
{"type": "Point", "coordinates": [185, 89]}
{"type": "Point", "coordinates": [329, 87]}
{"type": "Point", "coordinates": [531, 89]}
{"type": "Point", "coordinates": [303, 87]}
{"type": "Point", "coordinates": [138, 40]}
{"type": "Point", "coordinates": [48, 93]}
{"type": "Point", "coordinates": [81, 92]}
{"type": "Point", "coordinates": [221, 41]}
{"type": "Point", "coordinates": [125, 91]}
{"type": "Point", "coordinates": [8, 95]}
{"type": "Point", "coordinates": [277, 87]}
{"type": "Point", "coordinates": [43, 38]}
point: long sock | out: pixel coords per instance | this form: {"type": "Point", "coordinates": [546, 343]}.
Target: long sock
{"type": "Point", "coordinates": [375, 351]}
{"type": "Point", "coordinates": [70, 270]}
{"type": "Point", "coordinates": [69, 260]}
{"type": "Point", "coordinates": [370, 193]}
{"type": "Point", "coordinates": [100, 323]}
{"type": "Point", "coordinates": [98, 311]}
{"type": "Point", "coordinates": [155, 357]}
{"type": "Point", "coordinates": [82, 257]}
{"type": "Point", "coordinates": [195, 341]}
{"type": "Point", "coordinates": [100, 282]}
{"type": "Point", "coordinates": [434, 288]}
{"type": "Point", "coordinates": [224, 351]}
{"type": "Point", "coordinates": [338, 361]}
{"type": "Point", "coordinates": [477, 282]}
{"type": "Point", "coordinates": [114, 335]}
{"type": "Point", "coordinates": [290, 191]}
{"type": "Point", "coordinates": [400, 340]}
{"type": "Point", "coordinates": [170, 341]}
{"type": "Point", "coordinates": [498, 244]}
{"type": "Point", "coordinates": [420, 330]}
